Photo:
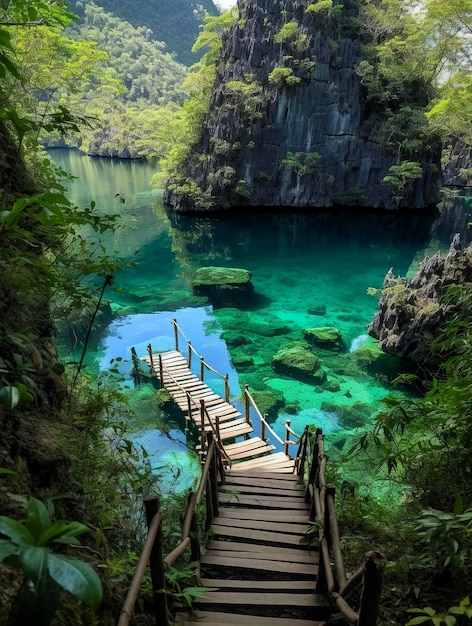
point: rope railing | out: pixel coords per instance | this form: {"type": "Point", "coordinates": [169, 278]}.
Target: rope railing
{"type": "Point", "coordinates": [203, 365]}
{"type": "Point", "coordinates": [332, 578]}
{"type": "Point", "coordinates": [199, 404]}
{"type": "Point", "coordinates": [152, 552]}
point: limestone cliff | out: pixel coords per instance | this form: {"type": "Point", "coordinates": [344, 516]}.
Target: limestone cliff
{"type": "Point", "coordinates": [289, 121]}
{"type": "Point", "coordinates": [412, 313]}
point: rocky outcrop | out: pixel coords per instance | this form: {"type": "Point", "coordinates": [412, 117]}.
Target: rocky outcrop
{"type": "Point", "coordinates": [412, 313]}
{"type": "Point", "coordinates": [289, 122]}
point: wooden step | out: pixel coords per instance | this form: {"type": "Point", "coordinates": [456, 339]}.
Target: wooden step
{"type": "Point", "coordinates": [293, 586]}
{"type": "Point", "coordinates": [296, 554]}
{"type": "Point", "coordinates": [210, 618]}
{"type": "Point", "coordinates": [250, 568]}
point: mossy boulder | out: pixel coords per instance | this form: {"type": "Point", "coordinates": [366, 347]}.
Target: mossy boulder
{"type": "Point", "coordinates": [268, 330]}
{"type": "Point", "coordinates": [241, 359]}
{"type": "Point", "coordinates": [298, 361]}
{"type": "Point", "coordinates": [319, 309]}
{"type": "Point", "coordinates": [269, 402]}
{"type": "Point", "coordinates": [224, 286]}
{"type": "Point", "coordinates": [234, 338]}
{"type": "Point", "coordinates": [327, 337]}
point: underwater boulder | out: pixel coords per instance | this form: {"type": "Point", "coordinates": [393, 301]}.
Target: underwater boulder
{"type": "Point", "coordinates": [349, 415]}
{"type": "Point", "coordinates": [224, 286]}
{"type": "Point", "coordinates": [319, 309]}
{"type": "Point", "coordinates": [269, 402]}
{"type": "Point", "coordinates": [327, 337]}
{"type": "Point", "coordinates": [298, 361]}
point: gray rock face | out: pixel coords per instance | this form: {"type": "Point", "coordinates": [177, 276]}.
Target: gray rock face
{"type": "Point", "coordinates": [412, 313]}
{"type": "Point", "coordinates": [303, 140]}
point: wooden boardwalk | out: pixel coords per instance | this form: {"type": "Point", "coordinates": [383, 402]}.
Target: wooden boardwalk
{"type": "Point", "coordinates": [258, 571]}
{"type": "Point", "coordinates": [211, 413]}
{"type": "Point", "coordinates": [256, 566]}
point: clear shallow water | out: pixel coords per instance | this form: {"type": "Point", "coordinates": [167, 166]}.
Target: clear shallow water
{"type": "Point", "coordinates": [299, 263]}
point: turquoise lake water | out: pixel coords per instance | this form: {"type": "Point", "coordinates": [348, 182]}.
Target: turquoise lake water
{"type": "Point", "coordinates": [307, 270]}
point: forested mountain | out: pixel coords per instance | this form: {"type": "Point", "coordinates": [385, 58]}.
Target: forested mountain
{"type": "Point", "coordinates": [175, 22]}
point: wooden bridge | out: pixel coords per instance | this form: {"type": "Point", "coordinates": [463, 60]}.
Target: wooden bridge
{"type": "Point", "coordinates": [272, 551]}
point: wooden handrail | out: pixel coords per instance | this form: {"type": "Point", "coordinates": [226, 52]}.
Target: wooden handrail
{"type": "Point", "coordinates": [203, 364]}
{"type": "Point", "coordinates": [159, 565]}
{"type": "Point", "coordinates": [332, 580]}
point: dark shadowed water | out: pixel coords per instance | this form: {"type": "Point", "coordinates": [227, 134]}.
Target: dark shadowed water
{"type": "Point", "coordinates": [317, 269]}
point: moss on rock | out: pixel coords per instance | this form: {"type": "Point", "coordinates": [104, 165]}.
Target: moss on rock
{"type": "Point", "coordinates": [298, 361]}
{"type": "Point", "coordinates": [326, 337]}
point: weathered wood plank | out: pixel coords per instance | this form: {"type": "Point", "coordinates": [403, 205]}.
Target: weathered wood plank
{"type": "Point", "coordinates": [261, 599]}
{"type": "Point", "coordinates": [290, 515]}
{"type": "Point", "coordinates": [278, 493]}
{"type": "Point", "coordinates": [270, 553]}
{"type": "Point", "coordinates": [273, 526]}
{"type": "Point", "coordinates": [294, 586]}
{"type": "Point", "coordinates": [264, 501]}
{"type": "Point", "coordinates": [207, 618]}
{"type": "Point", "coordinates": [292, 570]}
{"type": "Point", "coordinates": [261, 536]}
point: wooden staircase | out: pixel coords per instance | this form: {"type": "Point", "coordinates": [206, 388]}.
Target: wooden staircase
{"type": "Point", "coordinates": [256, 568]}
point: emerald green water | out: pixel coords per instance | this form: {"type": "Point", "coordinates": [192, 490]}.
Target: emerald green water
{"type": "Point", "coordinates": [299, 263]}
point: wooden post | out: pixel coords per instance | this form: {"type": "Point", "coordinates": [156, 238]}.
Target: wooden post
{"type": "Point", "coordinates": [227, 388]}
{"type": "Point", "coordinates": [263, 427]}
{"type": "Point", "coordinates": [151, 504]}
{"type": "Point", "coordinates": [209, 494]}
{"type": "Point", "coordinates": [287, 436]}
{"type": "Point", "coordinates": [189, 355]}
{"type": "Point", "coordinates": [334, 536]}
{"type": "Point", "coordinates": [161, 372]}
{"type": "Point", "coordinates": [372, 590]}
{"type": "Point", "coordinates": [247, 403]}
{"type": "Point", "coordinates": [134, 358]}
{"type": "Point", "coordinates": [214, 480]}
{"type": "Point", "coordinates": [149, 349]}
{"type": "Point", "coordinates": [302, 450]}
{"type": "Point", "coordinates": [189, 408]}
{"type": "Point", "coordinates": [314, 465]}
{"type": "Point", "coordinates": [202, 368]}
{"type": "Point", "coordinates": [217, 427]}
{"type": "Point", "coordinates": [176, 333]}
{"type": "Point", "coordinates": [202, 424]}
{"type": "Point", "coordinates": [195, 551]}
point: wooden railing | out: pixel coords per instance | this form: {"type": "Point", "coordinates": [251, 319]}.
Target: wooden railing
{"type": "Point", "coordinates": [199, 405]}
{"type": "Point", "coordinates": [152, 553]}
{"type": "Point", "coordinates": [248, 399]}
{"type": "Point", "coordinates": [332, 578]}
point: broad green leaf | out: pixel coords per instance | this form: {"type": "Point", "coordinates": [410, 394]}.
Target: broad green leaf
{"type": "Point", "coordinates": [34, 561]}
{"type": "Point", "coordinates": [418, 620]}
{"type": "Point", "coordinates": [63, 532]}
{"type": "Point", "coordinates": [9, 397]}
{"type": "Point", "coordinates": [7, 548]}
{"type": "Point", "coordinates": [76, 577]}
{"type": "Point", "coordinates": [4, 470]}
{"type": "Point", "coordinates": [37, 518]}
{"type": "Point", "coordinates": [18, 533]}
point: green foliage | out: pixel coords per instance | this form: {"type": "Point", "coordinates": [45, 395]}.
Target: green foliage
{"type": "Point", "coordinates": [402, 176]}
{"type": "Point", "coordinates": [281, 76]}
{"type": "Point", "coordinates": [302, 163]}
{"type": "Point", "coordinates": [448, 618]}
{"type": "Point", "coordinates": [288, 32]}
{"type": "Point", "coordinates": [28, 547]}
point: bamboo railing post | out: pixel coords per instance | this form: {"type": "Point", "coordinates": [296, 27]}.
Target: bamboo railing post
{"type": "Point", "coordinates": [314, 466]}
{"type": "Point", "coordinates": [372, 590]}
{"type": "Point", "coordinates": [209, 494]}
{"type": "Point", "coordinates": [195, 551]}
{"type": "Point", "coordinates": [226, 387]}
{"type": "Point", "coordinates": [151, 504]}
{"type": "Point", "coordinates": [214, 481]}
{"type": "Point", "coordinates": [263, 427]}
{"type": "Point", "coordinates": [301, 454]}
{"type": "Point", "coordinates": [149, 349]}
{"type": "Point", "coordinates": [189, 355]}
{"type": "Point", "coordinates": [176, 333]}
{"type": "Point", "coordinates": [202, 368]}
{"type": "Point", "coordinates": [247, 403]}
{"type": "Point", "coordinates": [161, 372]}
{"type": "Point", "coordinates": [334, 536]}
{"type": "Point", "coordinates": [202, 424]}
{"type": "Point", "coordinates": [287, 436]}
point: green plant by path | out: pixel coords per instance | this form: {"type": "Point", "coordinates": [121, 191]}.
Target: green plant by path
{"type": "Point", "coordinates": [448, 618]}
{"type": "Point", "coordinates": [28, 547]}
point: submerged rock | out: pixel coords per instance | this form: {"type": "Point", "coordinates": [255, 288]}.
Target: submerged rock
{"type": "Point", "coordinates": [412, 313]}
{"type": "Point", "coordinates": [350, 416]}
{"type": "Point", "coordinates": [298, 361]}
{"type": "Point", "coordinates": [224, 286]}
{"type": "Point", "coordinates": [326, 337]}
{"type": "Point", "coordinates": [269, 402]}
{"type": "Point", "coordinates": [319, 309]}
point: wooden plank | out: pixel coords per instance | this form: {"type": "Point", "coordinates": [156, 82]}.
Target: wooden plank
{"type": "Point", "coordinates": [294, 586]}
{"type": "Point", "coordinates": [278, 493]}
{"type": "Point", "coordinates": [263, 476]}
{"type": "Point", "coordinates": [270, 553]}
{"type": "Point", "coordinates": [244, 445]}
{"type": "Point", "coordinates": [260, 599]}
{"type": "Point", "coordinates": [269, 502]}
{"type": "Point", "coordinates": [262, 449]}
{"type": "Point", "coordinates": [233, 478]}
{"type": "Point", "coordinates": [261, 536]}
{"type": "Point", "coordinates": [291, 515]}
{"type": "Point", "coordinates": [207, 618]}
{"type": "Point", "coordinates": [274, 526]}
{"type": "Point", "coordinates": [292, 570]}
